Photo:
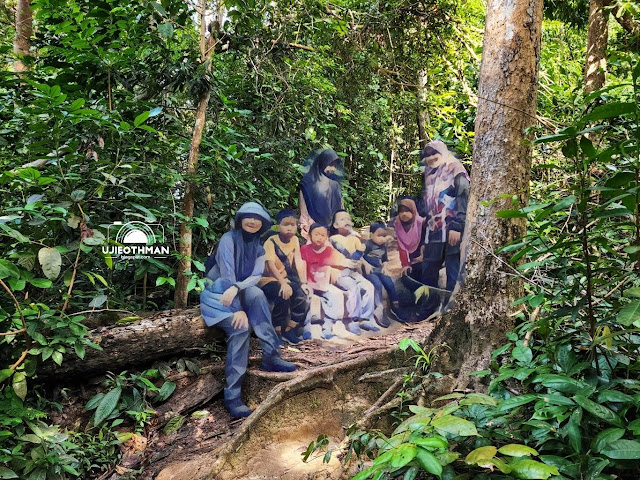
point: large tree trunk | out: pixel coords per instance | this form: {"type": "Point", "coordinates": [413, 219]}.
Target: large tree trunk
{"type": "Point", "coordinates": [501, 165]}
{"type": "Point", "coordinates": [186, 234]}
{"type": "Point", "coordinates": [24, 29]}
{"type": "Point", "coordinates": [142, 342]}
{"type": "Point", "coordinates": [597, 38]}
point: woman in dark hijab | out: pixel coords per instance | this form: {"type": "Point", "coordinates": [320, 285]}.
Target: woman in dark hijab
{"type": "Point", "coordinates": [320, 194]}
{"type": "Point", "coordinates": [233, 302]}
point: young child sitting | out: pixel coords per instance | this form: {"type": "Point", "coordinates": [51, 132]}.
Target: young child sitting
{"type": "Point", "coordinates": [320, 258]}
{"type": "Point", "coordinates": [360, 292]}
{"type": "Point", "coordinates": [375, 254]}
{"type": "Point", "coordinates": [285, 278]}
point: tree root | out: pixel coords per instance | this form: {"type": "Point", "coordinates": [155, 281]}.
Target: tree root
{"type": "Point", "coordinates": [303, 382]}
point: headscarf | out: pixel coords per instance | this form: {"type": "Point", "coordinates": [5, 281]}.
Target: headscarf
{"type": "Point", "coordinates": [247, 247]}
{"type": "Point", "coordinates": [321, 192]}
{"type": "Point", "coordinates": [439, 190]}
{"type": "Point", "coordinates": [409, 240]}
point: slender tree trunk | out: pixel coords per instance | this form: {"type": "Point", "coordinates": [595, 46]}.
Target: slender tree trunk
{"type": "Point", "coordinates": [24, 30]}
{"type": "Point", "coordinates": [186, 234]}
{"type": "Point", "coordinates": [597, 38]}
{"type": "Point", "coordinates": [423, 113]}
{"type": "Point", "coordinates": [507, 95]}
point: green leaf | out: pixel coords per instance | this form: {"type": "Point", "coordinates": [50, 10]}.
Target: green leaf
{"type": "Point", "coordinates": [432, 442]}
{"type": "Point", "coordinates": [107, 405]}
{"type": "Point", "coordinates": [428, 462]}
{"type": "Point", "coordinates": [193, 281]}
{"type": "Point", "coordinates": [632, 292]}
{"type": "Point", "coordinates": [614, 396]}
{"type": "Point", "coordinates": [522, 354]}
{"type": "Point", "coordinates": [80, 350]}
{"type": "Point", "coordinates": [78, 195]}
{"type": "Point", "coordinates": [70, 469]}
{"type": "Point", "coordinates": [609, 110]}
{"type": "Point", "coordinates": [622, 450]}
{"type": "Point", "coordinates": [527, 469]}
{"type": "Point", "coordinates": [511, 214]}
{"type": "Point", "coordinates": [166, 391]}
{"type": "Point", "coordinates": [403, 454]}
{"type": "Point", "coordinates": [513, 402]}
{"type": "Point", "coordinates": [562, 383]}
{"type": "Point", "coordinates": [166, 30]}
{"type": "Point", "coordinates": [629, 314]}
{"type": "Point", "coordinates": [40, 282]}
{"type": "Point", "coordinates": [174, 424]}
{"type": "Point", "coordinates": [479, 398]}
{"type": "Point", "coordinates": [517, 450]}
{"type": "Point", "coordinates": [8, 269]}
{"type": "Point", "coordinates": [94, 401]}
{"type": "Point", "coordinates": [20, 385]}
{"type": "Point", "coordinates": [7, 473]}
{"type": "Point", "coordinates": [454, 426]}
{"type": "Point", "coordinates": [98, 301]}
{"type": "Point", "coordinates": [140, 119]}
{"type": "Point", "coordinates": [477, 456]}
{"type": "Point", "coordinates": [57, 357]}
{"type": "Point", "coordinates": [6, 373]}
{"type": "Point", "coordinates": [598, 410]}
{"type": "Point", "coordinates": [605, 437]}
{"type": "Point", "coordinates": [50, 261]}
{"type": "Point", "coordinates": [14, 233]}
{"type": "Point", "coordinates": [634, 427]}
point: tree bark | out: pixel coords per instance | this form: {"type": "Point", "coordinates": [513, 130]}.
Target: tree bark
{"type": "Point", "coordinates": [423, 113]}
{"type": "Point", "coordinates": [186, 234]}
{"type": "Point", "coordinates": [142, 342]}
{"type": "Point", "coordinates": [24, 30]}
{"type": "Point", "coordinates": [507, 97]}
{"type": "Point", "coordinates": [597, 38]}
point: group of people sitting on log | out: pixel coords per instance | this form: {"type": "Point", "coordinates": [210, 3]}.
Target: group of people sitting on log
{"type": "Point", "coordinates": [334, 284]}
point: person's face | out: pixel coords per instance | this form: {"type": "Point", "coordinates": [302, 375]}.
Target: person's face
{"type": "Point", "coordinates": [319, 237]}
{"type": "Point", "coordinates": [331, 168]}
{"type": "Point", "coordinates": [405, 214]}
{"type": "Point", "coordinates": [380, 236]}
{"type": "Point", "coordinates": [251, 224]}
{"type": "Point", "coordinates": [433, 160]}
{"type": "Point", "coordinates": [342, 222]}
{"type": "Point", "coordinates": [288, 227]}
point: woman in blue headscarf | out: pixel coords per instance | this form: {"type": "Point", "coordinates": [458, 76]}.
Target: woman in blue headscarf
{"type": "Point", "coordinates": [320, 194]}
{"type": "Point", "coordinates": [233, 302]}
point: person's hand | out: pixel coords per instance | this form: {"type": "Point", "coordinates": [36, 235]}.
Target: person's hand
{"type": "Point", "coordinates": [406, 270]}
{"type": "Point", "coordinates": [285, 290]}
{"type": "Point", "coordinates": [306, 289]}
{"type": "Point", "coordinates": [240, 320]}
{"type": "Point", "coordinates": [367, 268]}
{"type": "Point", "coordinates": [454, 238]}
{"type": "Point", "coordinates": [351, 264]}
{"type": "Point", "coordinates": [229, 294]}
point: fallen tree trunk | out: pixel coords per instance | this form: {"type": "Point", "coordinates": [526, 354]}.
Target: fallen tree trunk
{"type": "Point", "coordinates": [141, 342]}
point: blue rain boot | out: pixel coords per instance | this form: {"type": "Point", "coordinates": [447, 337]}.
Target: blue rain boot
{"type": "Point", "coordinates": [327, 330]}
{"type": "Point", "coordinates": [368, 325]}
{"type": "Point", "coordinates": [291, 337]}
{"type": "Point", "coordinates": [274, 363]}
{"type": "Point", "coordinates": [352, 326]}
{"type": "Point", "coordinates": [236, 408]}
